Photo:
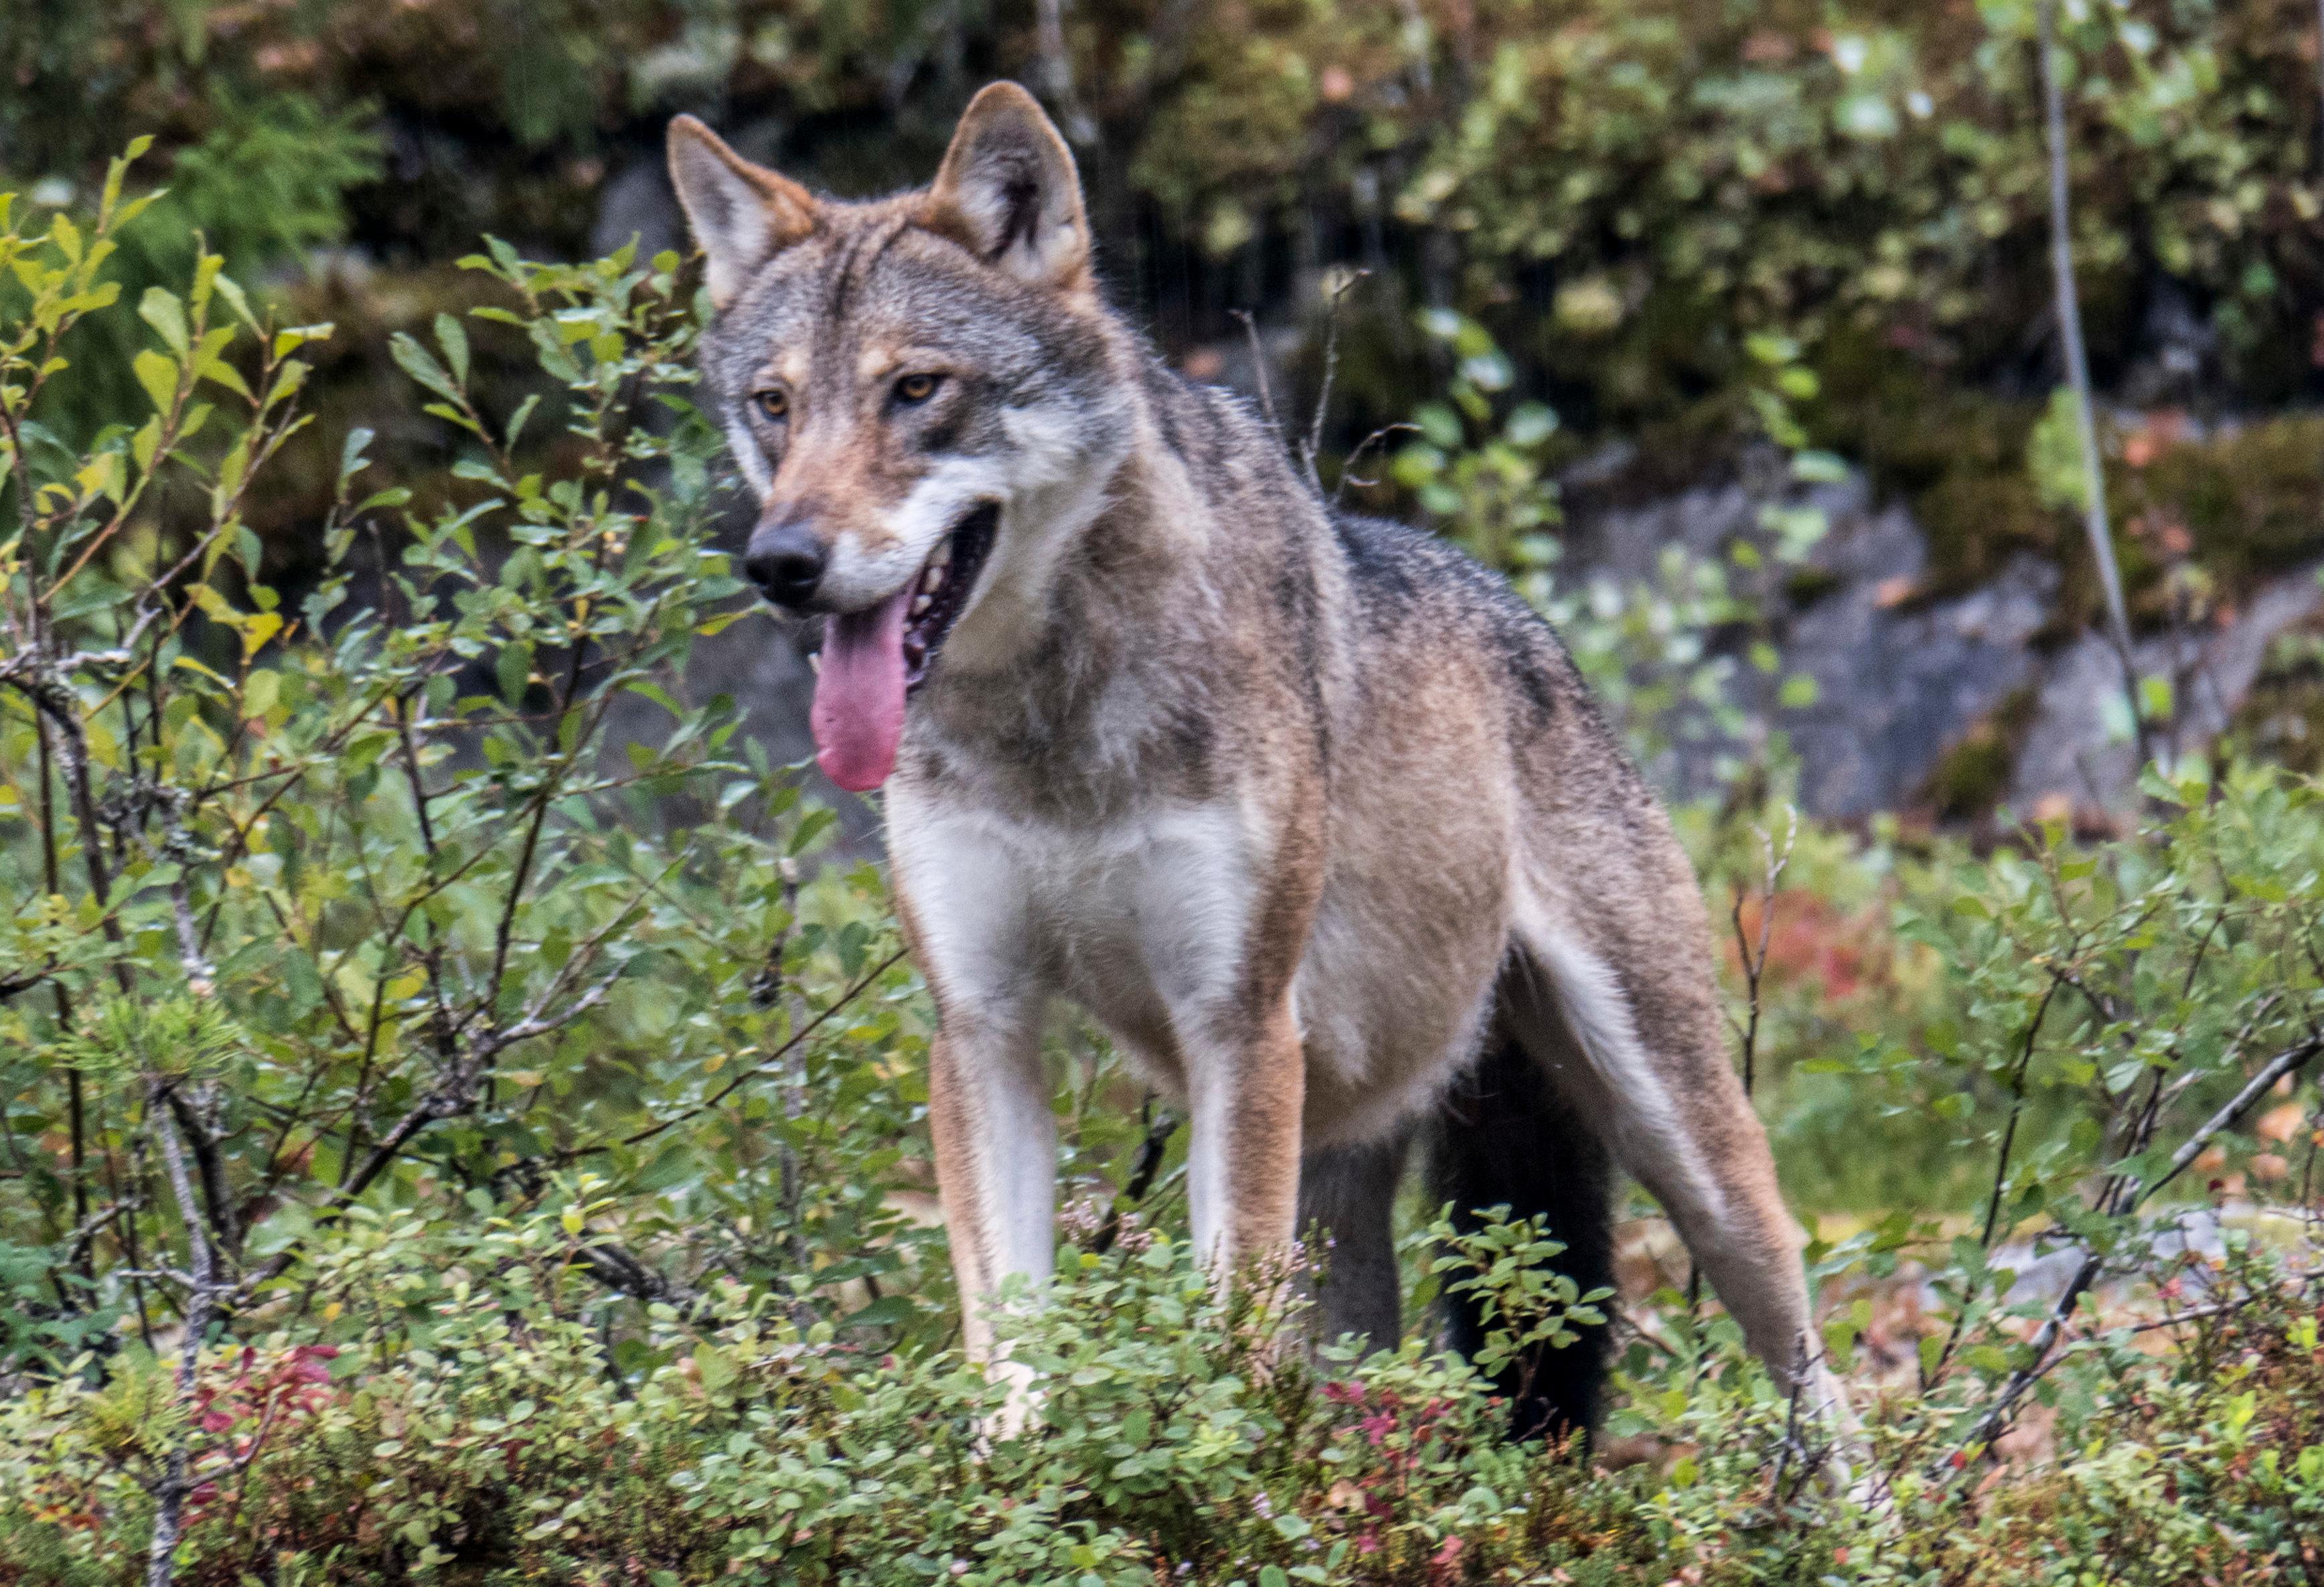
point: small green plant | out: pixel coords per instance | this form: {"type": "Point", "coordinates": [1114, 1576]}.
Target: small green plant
{"type": "Point", "coordinates": [1507, 1266]}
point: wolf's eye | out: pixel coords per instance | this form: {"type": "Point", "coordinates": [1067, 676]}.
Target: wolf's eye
{"type": "Point", "coordinates": [916, 388]}
{"type": "Point", "coordinates": [773, 405]}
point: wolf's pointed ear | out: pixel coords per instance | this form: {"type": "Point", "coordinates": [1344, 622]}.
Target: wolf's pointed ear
{"type": "Point", "coordinates": [743, 214]}
{"type": "Point", "coordinates": [1009, 193]}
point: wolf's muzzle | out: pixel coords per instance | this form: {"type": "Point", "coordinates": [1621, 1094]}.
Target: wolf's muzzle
{"type": "Point", "coordinates": [786, 561]}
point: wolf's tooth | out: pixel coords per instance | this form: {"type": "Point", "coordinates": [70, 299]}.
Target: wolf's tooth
{"type": "Point", "coordinates": [815, 663]}
{"type": "Point", "coordinates": [920, 603]}
{"type": "Point", "coordinates": [932, 579]}
{"type": "Point", "coordinates": [942, 554]}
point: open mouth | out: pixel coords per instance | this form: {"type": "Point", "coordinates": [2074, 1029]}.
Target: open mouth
{"type": "Point", "coordinates": [874, 658]}
{"type": "Point", "coordinates": [946, 580]}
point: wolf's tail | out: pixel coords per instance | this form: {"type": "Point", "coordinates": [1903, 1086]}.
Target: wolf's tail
{"type": "Point", "coordinates": [1501, 1137]}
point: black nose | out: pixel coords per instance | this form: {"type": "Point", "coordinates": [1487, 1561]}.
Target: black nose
{"type": "Point", "coordinates": [786, 561]}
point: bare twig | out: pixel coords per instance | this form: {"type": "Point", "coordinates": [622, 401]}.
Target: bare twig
{"type": "Point", "coordinates": [1755, 958]}
{"type": "Point", "coordinates": [2290, 1061]}
{"type": "Point", "coordinates": [90, 1227]}
{"type": "Point", "coordinates": [1057, 71]}
{"type": "Point", "coordinates": [1348, 475]}
{"type": "Point", "coordinates": [1312, 448]}
{"type": "Point", "coordinates": [2077, 374]}
{"type": "Point", "coordinates": [1259, 369]}
{"type": "Point", "coordinates": [1800, 1364]}
{"type": "Point", "coordinates": [201, 1283]}
{"type": "Point", "coordinates": [1159, 1128]}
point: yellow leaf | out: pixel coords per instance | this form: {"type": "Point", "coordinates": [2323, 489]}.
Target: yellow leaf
{"type": "Point", "coordinates": [257, 629]}
{"type": "Point", "coordinates": [158, 376]}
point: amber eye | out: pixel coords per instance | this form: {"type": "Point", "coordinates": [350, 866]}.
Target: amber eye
{"type": "Point", "coordinates": [773, 405]}
{"type": "Point", "coordinates": [916, 388]}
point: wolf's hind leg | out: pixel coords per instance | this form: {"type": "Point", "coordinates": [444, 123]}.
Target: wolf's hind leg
{"type": "Point", "coordinates": [1639, 1046]}
{"type": "Point", "coordinates": [1347, 1199]}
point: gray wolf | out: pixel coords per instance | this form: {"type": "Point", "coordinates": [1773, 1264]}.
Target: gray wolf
{"type": "Point", "coordinates": [1309, 810]}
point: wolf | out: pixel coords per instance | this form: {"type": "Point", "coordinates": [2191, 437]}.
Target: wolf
{"type": "Point", "coordinates": [1308, 809]}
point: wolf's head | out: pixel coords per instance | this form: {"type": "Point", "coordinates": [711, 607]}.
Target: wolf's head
{"type": "Point", "coordinates": [918, 389]}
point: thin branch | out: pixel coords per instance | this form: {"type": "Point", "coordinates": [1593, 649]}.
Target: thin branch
{"type": "Point", "coordinates": [1312, 449]}
{"type": "Point", "coordinates": [1057, 72]}
{"type": "Point", "coordinates": [202, 1294]}
{"type": "Point", "coordinates": [2077, 374]}
{"type": "Point", "coordinates": [1755, 961]}
{"type": "Point", "coordinates": [1348, 475]}
{"type": "Point", "coordinates": [1259, 369]}
{"type": "Point", "coordinates": [2290, 1061]}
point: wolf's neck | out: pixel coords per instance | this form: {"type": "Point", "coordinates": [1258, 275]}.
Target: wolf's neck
{"type": "Point", "coordinates": [1092, 671]}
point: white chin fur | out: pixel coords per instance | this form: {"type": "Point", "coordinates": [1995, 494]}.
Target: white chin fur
{"type": "Point", "coordinates": [857, 578]}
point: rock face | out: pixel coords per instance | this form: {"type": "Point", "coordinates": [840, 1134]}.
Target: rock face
{"type": "Point", "coordinates": [1899, 685]}
{"type": "Point", "coordinates": [1898, 680]}
{"type": "Point", "coordinates": [2071, 755]}
{"type": "Point", "coordinates": [1902, 680]}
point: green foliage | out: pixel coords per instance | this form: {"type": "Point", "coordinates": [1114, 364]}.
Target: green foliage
{"type": "Point", "coordinates": [367, 889]}
{"type": "Point", "coordinates": [1522, 1301]}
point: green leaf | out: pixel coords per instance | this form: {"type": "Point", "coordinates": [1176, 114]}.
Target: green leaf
{"type": "Point", "coordinates": [351, 453]}
{"type": "Point", "coordinates": [160, 309]}
{"type": "Point", "coordinates": [415, 361]}
{"type": "Point", "coordinates": [158, 376]}
{"type": "Point", "coordinates": [716, 1368]}
{"type": "Point", "coordinates": [454, 340]}
{"type": "Point", "coordinates": [231, 290]}
{"type": "Point", "coordinates": [514, 669]}
{"type": "Point", "coordinates": [516, 420]}
{"type": "Point", "coordinates": [2053, 454]}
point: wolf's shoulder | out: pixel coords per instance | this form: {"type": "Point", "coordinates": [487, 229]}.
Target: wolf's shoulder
{"type": "Point", "coordinates": [1416, 594]}
{"type": "Point", "coordinates": [1397, 564]}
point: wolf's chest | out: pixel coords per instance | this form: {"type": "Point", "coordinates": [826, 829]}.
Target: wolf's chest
{"type": "Point", "coordinates": [1142, 921]}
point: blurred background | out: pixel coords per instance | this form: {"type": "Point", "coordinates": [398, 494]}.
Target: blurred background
{"type": "Point", "coordinates": [1728, 327]}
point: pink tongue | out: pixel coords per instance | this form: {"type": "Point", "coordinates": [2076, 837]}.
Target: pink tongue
{"type": "Point", "coordinates": [859, 697]}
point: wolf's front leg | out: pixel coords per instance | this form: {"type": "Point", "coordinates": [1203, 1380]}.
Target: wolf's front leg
{"type": "Point", "coordinates": [996, 1161]}
{"type": "Point", "coordinates": [1246, 1086]}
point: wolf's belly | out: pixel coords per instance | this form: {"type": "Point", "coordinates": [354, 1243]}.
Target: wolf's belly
{"type": "Point", "coordinates": [1390, 1003]}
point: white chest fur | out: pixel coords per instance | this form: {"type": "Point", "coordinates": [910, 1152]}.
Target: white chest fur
{"type": "Point", "coordinates": [1143, 921]}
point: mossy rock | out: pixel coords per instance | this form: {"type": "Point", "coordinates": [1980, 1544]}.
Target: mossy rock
{"type": "Point", "coordinates": [2251, 501]}
{"type": "Point", "coordinates": [2283, 717]}
{"type": "Point", "coordinates": [1971, 778]}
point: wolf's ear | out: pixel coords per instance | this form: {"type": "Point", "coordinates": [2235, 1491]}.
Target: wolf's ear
{"type": "Point", "coordinates": [1009, 193]}
{"type": "Point", "coordinates": [743, 214]}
